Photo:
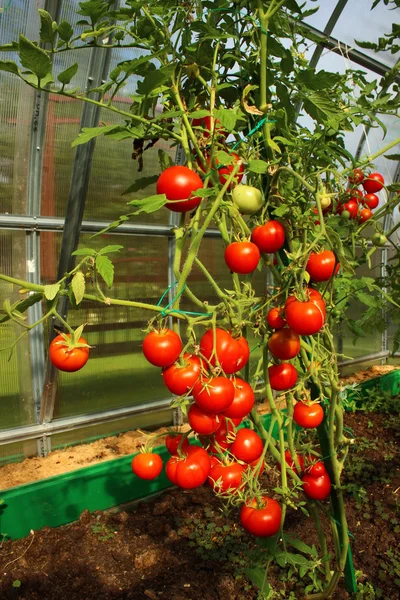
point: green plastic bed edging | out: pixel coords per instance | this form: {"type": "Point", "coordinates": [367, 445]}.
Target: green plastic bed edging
{"type": "Point", "coordinates": [61, 499]}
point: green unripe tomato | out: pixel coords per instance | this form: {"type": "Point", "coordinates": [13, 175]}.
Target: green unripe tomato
{"type": "Point", "coordinates": [247, 198]}
{"type": "Point", "coordinates": [378, 239]}
{"type": "Point", "coordinates": [345, 215]}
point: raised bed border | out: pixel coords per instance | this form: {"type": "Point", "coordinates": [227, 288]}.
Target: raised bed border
{"type": "Point", "coordinates": [61, 499]}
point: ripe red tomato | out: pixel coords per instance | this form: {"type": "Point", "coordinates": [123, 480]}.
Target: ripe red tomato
{"type": "Point", "coordinates": [225, 170]}
{"type": "Point", "coordinates": [178, 183]}
{"type": "Point", "coordinates": [284, 344]}
{"type": "Point", "coordinates": [351, 207]}
{"type": "Point", "coordinates": [275, 319]}
{"type": "Point", "coordinates": [305, 318]}
{"type": "Point", "coordinates": [202, 422]}
{"type": "Point", "coordinates": [205, 123]}
{"type": "Point", "coordinates": [226, 477]}
{"type": "Point", "coordinates": [356, 177]}
{"type": "Point", "coordinates": [233, 354]}
{"type": "Point", "coordinates": [243, 400]}
{"type": "Point", "coordinates": [371, 201]}
{"type": "Point", "coordinates": [317, 488]}
{"type": "Point", "coordinates": [374, 182]}
{"type": "Point", "coordinates": [356, 196]}
{"type": "Point", "coordinates": [242, 257]}
{"type": "Point", "coordinates": [180, 379]}
{"type": "Point", "coordinates": [308, 415]}
{"type": "Point", "coordinates": [223, 438]}
{"type": "Point", "coordinates": [365, 214]}
{"type": "Point", "coordinates": [162, 347]}
{"type": "Point", "coordinates": [248, 445]}
{"type": "Point", "coordinates": [147, 465]}
{"type": "Point", "coordinates": [190, 471]}
{"type": "Point", "coordinates": [213, 394]}
{"type": "Point", "coordinates": [291, 463]}
{"type": "Point", "coordinates": [172, 442]}
{"type": "Point", "coordinates": [314, 467]}
{"type": "Point", "coordinates": [269, 237]}
{"type": "Point", "coordinates": [321, 266]}
{"type": "Point", "coordinates": [263, 521]}
{"type": "Point", "coordinates": [65, 358]}
{"type": "Point", "coordinates": [282, 377]}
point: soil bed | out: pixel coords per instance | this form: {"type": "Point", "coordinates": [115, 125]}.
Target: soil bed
{"type": "Point", "coordinates": [179, 546]}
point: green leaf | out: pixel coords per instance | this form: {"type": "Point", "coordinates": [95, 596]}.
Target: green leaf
{"type": "Point", "coordinates": [20, 307]}
{"type": "Point", "coordinates": [155, 79]}
{"type": "Point", "coordinates": [392, 156]}
{"type": "Point", "coordinates": [257, 166]}
{"type": "Point", "coordinates": [33, 58]}
{"type": "Point", "coordinates": [65, 31]}
{"type": "Point", "coordinates": [65, 76]}
{"type": "Point", "coordinates": [84, 252]}
{"type": "Point", "coordinates": [105, 269]}
{"type": "Point", "coordinates": [141, 184]}
{"type": "Point", "coordinates": [282, 210]}
{"type": "Point", "coordinates": [33, 79]}
{"type": "Point", "coordinates": [109, 249]}
{"type": "Point", "coordinates": [319, 104]}
{"type": "Point", "coordinates": [298, 544]}
{"type": "Point", "coordinates": [227, 118]}
{"type": "Point", "coordinates": [164, 159]}
{"type": "Point", "coordinates": [88, 133]}
{"type": "Point", "coordinates": [78, 286]}
{"type": "Point", "coordinates": [223, 158]}
{"type": "Point", "coordinates": [9, 66]}
{"type": "Point", "coordinates": [94, 9]}
{"type": "Point", "coordinates": [12, 47]}
{"type": "Point", "coordinates": [258, 577]}
{"type": "Point", "coordinates": [367, 299]}
{"type": "Point", "coordinates": [47, 34]}
{"type": "Point", "coordinates": [16, 583]}
{"type": "Point", "coordinates": [149, 205]}
{"type": "Point", "coordinates": [51, 291]}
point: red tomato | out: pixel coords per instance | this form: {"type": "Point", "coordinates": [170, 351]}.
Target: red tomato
{"type": "Point", "coordinates": [232, 354]}
{"type": "Point", "coordinates": [305, 318]}
{"type": "Point", "coordinates": [248, 445]}
{"type": "Point", "coordinates": [162, 347]}
{"type": "Point", "coordinates": [308, 415]}
{"type": "Point", "coordinates": [374, 182]}
{"type": "Point", "coordinates": [275, 319]}
{"type": "Point", "coordinates": [365, 214]}
{"type": "Point", "coordinates": [223, 437]}
{"type": "Point", "coordinates": [180, 379]}
{"type": "Point", "coordinates": [190, 471]}
{"type": "Point", "coordinates": [205, 123]}
{"type": "Point", "coordinates": [356, 196]}
{"type": "Point", "coordinates": [147, 465]}
{"type": "Point", "coordinates": [213, 394]}
{"type": "Point", "coordinates": [291, 463]}
{"type": "Point", "coordinates": [315, 467]}
{"type": "Point", "coordinates": [269, 237]}
{"type": "Point", "coordinates": [356, 177]}
{"type": "Point", "coordinates": [284, 344]}
{"type": "Point", "coordinates": [351, 207]}
{"type": "Point", "coordinates": [321, 266]}
{"type": "Point", "coordinates": [264, 521]}
{"type": "Point", "coordinates": [178, 183]}
{"type": "Point", "coordinates": [225, 170]}
{"type": "Point", "coordinates": [226, 477]}
{"type": "Point", "coordinates": [202, 422]}
{"type": "Point", "coordinates": [242, 257]}
{"type": "Point", "coordinates": [317, 488]}
{"type": "Point", "coordinates": [371, 200]}
{"type": "Point", "coordinates": [243, 400]}
{"type": "Point", "coordinates": [172, 442]}
{"type": "Point", "coordinates": [282, 377]}
{"type": "Point", "coordinates": [65, 358]}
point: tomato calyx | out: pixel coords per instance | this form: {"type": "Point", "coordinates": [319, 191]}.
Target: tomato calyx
{"type": "Point", "coordinates": [73, 340]}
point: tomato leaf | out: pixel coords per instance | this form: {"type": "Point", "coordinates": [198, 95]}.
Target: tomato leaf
{"type": "Point", "coordinates": [257, 166]}
{"type": "Point", "coordinates": [224, 158]}
{"type": "Point", "coordinates": [19, 307]}
{"type": "Point", "coordinates": [94, 9]}
{"type": "Point", "coordinates": [110, 249]}
{"type": "Point", "coordinates": [149, 205]}
{"type": "Point", "coordinates": [140, 184]}
{"type": "Point", "coordinates": [257, 576]}
{"type": "Point", "coordinates": [84, 252]}
{"type": "Point", "coordinates": [392, 156]}
{"type": "Point", "coordinates": [65, 76]}
{"type": "Point", "coordinates": [164, 159]}
{"type": "Point", "coordinates": [51, 291]}
{"type": "Point", "coordinates": [9, 66]}
{"type": "Point", "coordinates": [227, 117]}
{"type": "Point", "coordinates": [47, 34]}
{"type": "Point", "coordinates": [105, 269]}
{"type": "Point", "coordinates": [33, 58]}
{"type": "Point", "coordinates": [78, 286]}
{"type": "Point", "coordinates": [65, 31]}
{"type": "Point", "coordinates": [88, 133]}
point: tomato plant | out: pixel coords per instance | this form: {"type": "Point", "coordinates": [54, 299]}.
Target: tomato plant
{"type": "Point", "coordinates": [147, 465]}
{"type": "Point", "coordinates": [178, 183]}
{"type": "Point", "coordinates": [162, 347]}
{"type": "Point", "coordinates": [269, 237]}
{"type": "Point", "coordinates": [263, 518]}
{"type": "Point", "coordinates": [242, 257]}
{"type": "Point", "coordinates": [67, 356]}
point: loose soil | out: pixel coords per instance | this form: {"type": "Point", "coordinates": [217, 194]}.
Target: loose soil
{"type": "Point", "coordinates": [83, 455]}
{"type": "Point", "coordinates": [179, 546]}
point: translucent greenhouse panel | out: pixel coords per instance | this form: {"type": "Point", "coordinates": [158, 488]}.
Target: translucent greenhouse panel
{"type": "Point", "coordinates": [117, 373]}
{"type": "Point", "coordinates": [15, 452]}
{"type": "Point", "coordinates": [16, 399]}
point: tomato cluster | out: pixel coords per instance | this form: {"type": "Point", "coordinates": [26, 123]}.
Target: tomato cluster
{"type": "Point", "coordinates": [316, 481]}
{"type": "Point", "coordinates": [359, 205]}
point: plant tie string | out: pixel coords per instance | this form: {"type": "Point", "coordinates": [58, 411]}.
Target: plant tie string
{"type": "Point", "coordinates": [165, 311]}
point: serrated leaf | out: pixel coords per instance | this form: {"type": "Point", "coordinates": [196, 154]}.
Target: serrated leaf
{"type": "Point", "coordinates": [223, 158]}
{"type": "Point", "coordinates": [109, 249]}
{"type": "Point", "coordinates": [367, 299]}
{"type": "Point", "coordinates": [84, 252]}
{"type": "Point", "coordinates": [33, 58]}
{"type": "Point", "coordinates": [78, 286]}
{"type": "Point", "coordinates": [281, 211]}
{"type": "Point", "coordinates": [150, 204]}
{"type": "Point", "coordinates": [94, 9]}
{"type": "Point", "coordinates": [226, 117]}
{"type": "Point", "coordinates": [65, 76]}
{"type": "Point", "coordinates": [65, 31]}
{"type": "Point", "coordinates": [9, 66]}
{"type": "Point", "coordinates": [47, 34]}
{"type": "Point", "coordinates": [141, 184]}
{"type": "Point", "coordinates": [164, 159]}
{"type": "Point", "coordinates": [155, 79]}
{"type": "Point", "coordinates": [51, 291]}
{"type": "Point", "coordinates": [257, 166]}
{"type": "Point", "coordinates": [105, 269]}
{"type": "Point", "coordinates": [199, 114]}
{"type": "Point", "coordinates": [88, 133]}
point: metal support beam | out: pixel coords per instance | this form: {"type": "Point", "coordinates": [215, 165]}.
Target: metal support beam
{"type": "Point", "coordinates": [328, 30]}
{"type": "Point", "coordinates": [364, 358]}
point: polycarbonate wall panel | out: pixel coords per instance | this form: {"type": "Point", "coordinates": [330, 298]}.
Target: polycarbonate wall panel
{"type": "Point", "coordinates": [16, 399]}
{"type": "Point", "coordinates": [15, 452]}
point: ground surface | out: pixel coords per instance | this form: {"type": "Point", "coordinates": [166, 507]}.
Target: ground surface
{"type": "Point", "coordinates": [180, 547]}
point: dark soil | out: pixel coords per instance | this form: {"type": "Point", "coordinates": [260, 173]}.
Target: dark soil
{"type": "Point", "coordinates": [179, 546]}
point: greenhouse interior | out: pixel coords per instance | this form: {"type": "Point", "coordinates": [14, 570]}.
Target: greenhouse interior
{"type": "Point", "coordinates": [200, 200]}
